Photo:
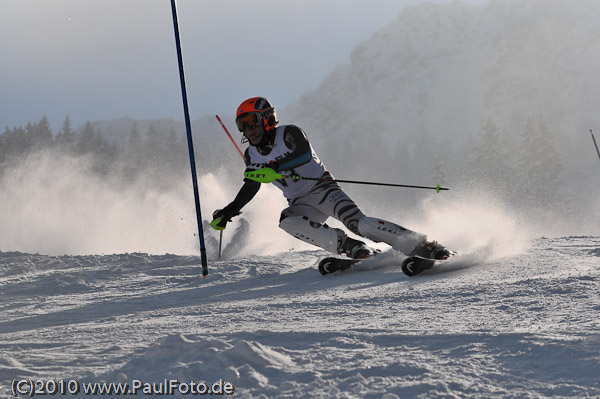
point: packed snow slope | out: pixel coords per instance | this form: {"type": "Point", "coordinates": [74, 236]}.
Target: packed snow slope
{"type": "Point", "coordinates": [488, 325]}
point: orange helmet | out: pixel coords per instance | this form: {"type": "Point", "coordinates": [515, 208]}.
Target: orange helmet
{"type": "Point", "coordinates": [254, 111]}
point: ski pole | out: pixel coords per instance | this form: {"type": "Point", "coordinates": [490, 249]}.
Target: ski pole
{"type": "Point", "coordinates": [268, 175]}
{"type": "Point", "coordinates": [595, 144]}
{"type": "Point", "coordinates": [231, 138]}
{"type": "Point", "coordinates": [220, 242]}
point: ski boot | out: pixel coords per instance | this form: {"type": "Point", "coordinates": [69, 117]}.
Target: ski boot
{"type": "Point", "coordinates": [430, 250]}
{"type": "Point", "coordinates": [355, 249]}
{"type": "Point", "coordinates": [423, 257]}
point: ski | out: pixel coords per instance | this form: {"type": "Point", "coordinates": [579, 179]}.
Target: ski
{"type": "Point", "coordinates": [411, 266]}
{"type": "Point", "coordinates": [332, 264]}
{"type": "Point", "coordinates": [415, 264]}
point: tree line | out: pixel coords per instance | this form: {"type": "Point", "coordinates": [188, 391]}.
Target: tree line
{"type": "Point", "coordinates": [524, 167]}
{"type": "Point", "coordinates": [151, 152]}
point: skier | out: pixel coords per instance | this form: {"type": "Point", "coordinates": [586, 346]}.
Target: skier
{"type": "Point", "coordinates": [286, 149]}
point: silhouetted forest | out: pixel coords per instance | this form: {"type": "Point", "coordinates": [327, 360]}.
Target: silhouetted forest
{"type": "Point", "coordinates": [152, 152]}
{"type": "Point", "coordinates": [523, 167]}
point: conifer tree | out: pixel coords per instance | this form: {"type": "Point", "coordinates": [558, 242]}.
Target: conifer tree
{"type": "Point", "coordinates": [540, 167]}
{"type": "Point", "coordinates": [66, 137]}
{"type": "Point", "coordinates": [88, 140]}
{"type": "Point", "coordinates": [176, 152]}
{"type": "Point", "coordinates": [132, 154]}
{"type": "Point", "coordinates": [152, 147]}
{"type": "Point", "coordinates": [42, 134]}
{"type": "Point", "coordinates": [4, 146]}
{"type": "Point", "coordinates": [491, 159]}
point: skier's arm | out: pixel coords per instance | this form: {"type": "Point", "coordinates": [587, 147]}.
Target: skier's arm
{"type": "Point", "coordinates": [295, 139]}
{"type": "Point", "coordinates": [247, 192]}
{"type": "Point", "coordinates": [245, 195]}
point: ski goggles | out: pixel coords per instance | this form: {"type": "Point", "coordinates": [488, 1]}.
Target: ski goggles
{"type": "Point", "coordinates": [249, 120]}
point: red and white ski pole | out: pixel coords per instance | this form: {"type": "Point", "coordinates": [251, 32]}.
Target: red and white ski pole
{"type": "Point", "coordinates": [242, 155]}
{"type": "Point", "coordinates": [231, 138]}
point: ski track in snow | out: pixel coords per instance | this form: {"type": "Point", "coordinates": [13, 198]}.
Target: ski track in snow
{"type": "Point", "coordinates": [519, 327]}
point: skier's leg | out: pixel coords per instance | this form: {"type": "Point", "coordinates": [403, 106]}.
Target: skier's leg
{"type": "Point", "coordinates": [313, 233]}
{"type": "Point", "coordinates": [379, 230]}
{"type": "Point", "coordinates": [299, 221]}
{"type": "Point", "coordinates": [306, 223]}
{"type": "Point", "coordinates": [330, 199]}
{"type": "Point", "coordinates": [401, 238]}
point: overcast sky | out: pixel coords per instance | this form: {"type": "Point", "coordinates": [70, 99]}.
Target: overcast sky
{"type": "Point", "coordinates": [104, 59]}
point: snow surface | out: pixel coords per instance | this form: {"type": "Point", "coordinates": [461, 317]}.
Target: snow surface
{"type": "Point", "coordinates": [522, 326]}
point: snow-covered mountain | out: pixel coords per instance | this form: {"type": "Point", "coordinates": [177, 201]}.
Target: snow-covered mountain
{"type": "Point", "coordinates": [444, 69]}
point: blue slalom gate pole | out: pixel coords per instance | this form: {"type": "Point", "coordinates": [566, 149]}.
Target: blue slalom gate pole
{"type": "Point", "coordinates": [188, 128]}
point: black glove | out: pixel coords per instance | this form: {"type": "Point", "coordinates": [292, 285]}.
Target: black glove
{"type": "Point", "coordinates": [222, 216]}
